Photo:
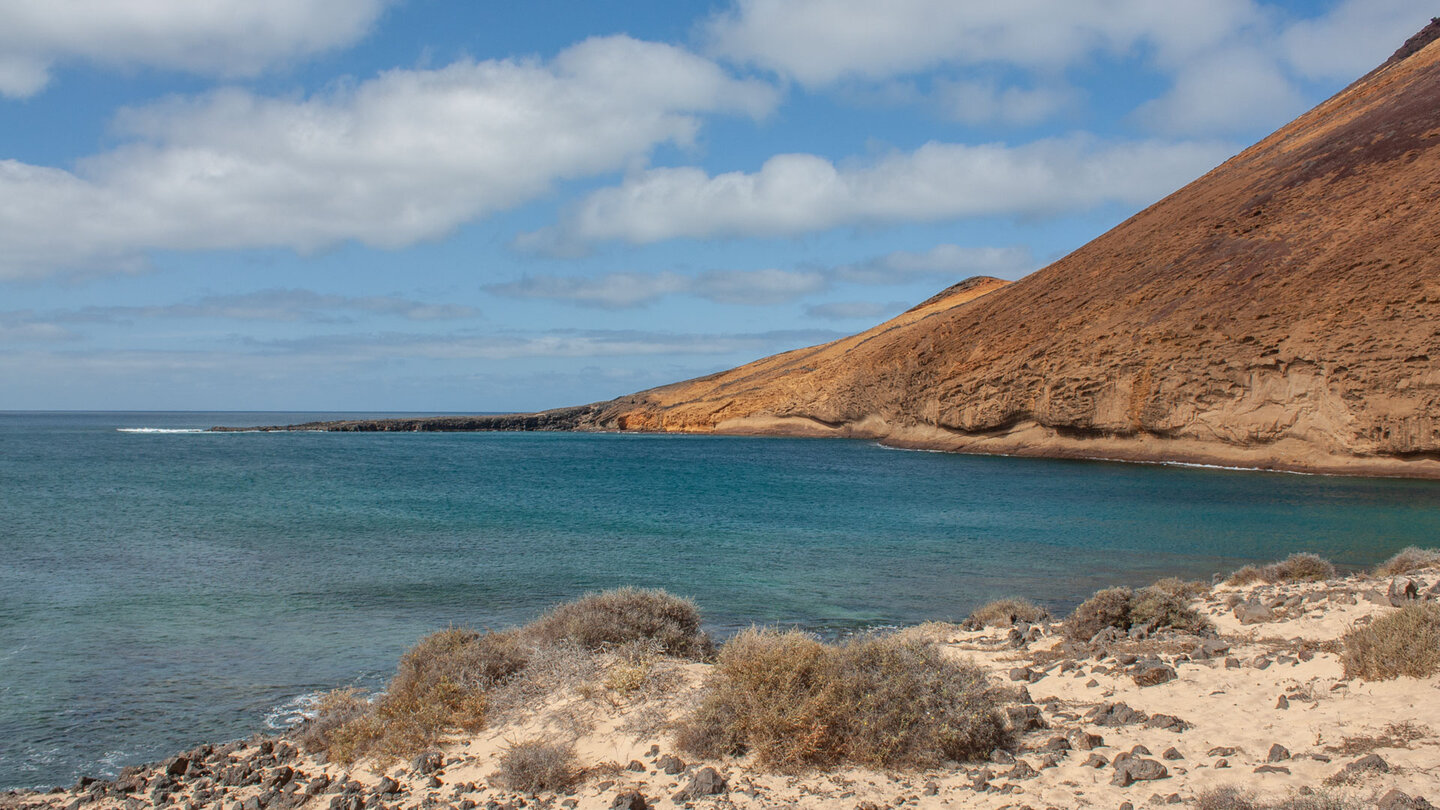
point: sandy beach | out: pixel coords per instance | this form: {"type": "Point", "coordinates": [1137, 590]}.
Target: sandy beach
{"type": "Point", "coordinates": [1261, 705]}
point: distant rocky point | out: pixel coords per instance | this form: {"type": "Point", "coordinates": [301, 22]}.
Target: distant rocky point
{"type": "Point", "coordinates": [1280, 312]}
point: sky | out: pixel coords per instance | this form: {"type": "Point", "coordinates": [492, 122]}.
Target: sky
{"type": "Point", "coordinates": [467, 206]}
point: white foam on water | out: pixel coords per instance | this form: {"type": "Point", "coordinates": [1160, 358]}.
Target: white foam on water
{"type": "Point", "coordinates": [161, 430]}
{"type": "Point", "coordinates": [293, 712]}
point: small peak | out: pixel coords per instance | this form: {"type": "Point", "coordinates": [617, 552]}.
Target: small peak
{"type": "Point", "coordinates": [963, 287]}
{"type": "Point", "coordinates": [1417, 43]}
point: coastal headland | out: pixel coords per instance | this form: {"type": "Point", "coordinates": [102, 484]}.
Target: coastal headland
{"type": "Point", "coordinates": [1277, 313]}
{"type": "Point", "coordinates": [1282, 686]}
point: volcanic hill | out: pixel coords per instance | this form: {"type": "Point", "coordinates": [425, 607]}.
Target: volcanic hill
{"type": "Point", "coordinates": [1280, 312]}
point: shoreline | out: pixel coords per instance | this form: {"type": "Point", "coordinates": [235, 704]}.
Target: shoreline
{"type": "Point", "coordinates": [1266, 687]}
{"type": "Point", "coordinates": [1022, 441]}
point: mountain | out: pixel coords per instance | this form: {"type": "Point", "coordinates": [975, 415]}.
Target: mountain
{"type": "Point", "coordinates": [1280, 312]}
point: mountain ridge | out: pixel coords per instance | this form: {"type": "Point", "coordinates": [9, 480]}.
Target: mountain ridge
{"type": "Point", "coordinates": [1279, 312]}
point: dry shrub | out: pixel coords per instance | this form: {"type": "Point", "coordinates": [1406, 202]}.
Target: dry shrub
{"type": "Point", "coordinates": [1122, 609]}
{"type": "Point", "coordinates": [335, 711]}
{"type": "Point", "coordinates": [1159, 608]}
{"type": "Point", "coordinates": [610, 618]}
{"type": "Point", "coordinates": [932, 632]}
{"type": "Point", "coordinates": [912, 706]}
{"type": "Point", "coordinates": [1402, 642]}
{"type": "Point", "coordinates": [554, 669]}
{"type": "Point", "coordinates": [1394, 735]}
{"type": "Point", "coordinates": [1298, 567]}
{"type": "Point", "coordinates": [1407, 560]}
{"type": "Point", "coordinates": [535, 765]}
{"type": "Point", "coordinates": [773, 692]}
{"type": "Point", "coordinates": [632, 669]}
{"type": "Point", "coordinates": [881, 701]}
{"type": "Point", "coordinates": [1301, 567]}
{"type": "Point", "coordinates": [440, 686]}
{"type": "Point", "coordinates": [1005, 612]}
{"type": "Point", "coordinates": [1233, 798]}
{"type": "Point", "coordinates": [1106, 608]}
{"type": "Point", "coordinates": [457, 679]}
{"type": "Point", "coordinates": [1247, 575]}
{"type": "Point", "coordinates": [1176, 586]}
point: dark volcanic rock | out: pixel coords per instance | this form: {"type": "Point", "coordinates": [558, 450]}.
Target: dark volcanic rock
{"type": "Point", "coordinates": [1132, 769]}
{"type": "Point", "coordinates": [706, 782]}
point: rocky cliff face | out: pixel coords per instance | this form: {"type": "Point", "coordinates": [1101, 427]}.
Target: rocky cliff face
{"type": "Point", "coordinates": [1283, 311]}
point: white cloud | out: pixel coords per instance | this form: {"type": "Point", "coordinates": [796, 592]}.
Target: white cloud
{"type": "Point", "coordinates": [404, 157]}
{"type": "Point", "coordinates": [1235, 62]}
{"type": "Point", "coordinates": [800, 193]}
{"type": "Point", "coordinates": [820, 41]}
{"type": "Point", "coordinates": [1228, 91]}
{"type": "Point", "coordinates": [985, 102]}
{"type": "Point", "coordinates": [1354, 37]}
{"type": "Point", "coordinates": [213, 37]}
{"type": "Point", "coordinates": [770, 286]}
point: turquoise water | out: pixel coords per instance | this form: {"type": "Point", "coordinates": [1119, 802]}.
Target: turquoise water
{"type": "Point", "coordinates": [162, 589]}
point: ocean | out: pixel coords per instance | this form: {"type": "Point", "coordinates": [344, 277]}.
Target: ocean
{"type": "Point", "coordinates": [162, 587]}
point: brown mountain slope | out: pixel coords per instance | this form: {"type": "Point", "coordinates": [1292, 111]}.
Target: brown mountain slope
{"type": "Point", "coordinates": [1283, 311]}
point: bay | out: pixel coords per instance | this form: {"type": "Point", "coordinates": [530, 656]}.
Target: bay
{"type": "Point", "coordinates": [160, 589]}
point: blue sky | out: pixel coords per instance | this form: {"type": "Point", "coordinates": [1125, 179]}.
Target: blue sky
{"type": "Point", "coordinates": [421, 205]}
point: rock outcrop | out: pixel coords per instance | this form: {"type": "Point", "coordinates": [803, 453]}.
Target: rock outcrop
{"type": "Point", "coordinates": [1282, 311]}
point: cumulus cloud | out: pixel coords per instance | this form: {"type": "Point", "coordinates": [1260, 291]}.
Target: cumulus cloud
{"type": "Point", "coordinates": [400, 158]}
{"type": "Point", "coordinates": [817, 42]}
{"type": "Point", "coordinates": [1354, 37]}
{"type": "Point", "coordinates": [770, 286]}
{"type": "Point", "coordinates": [214, 37]}
{"type": "Point", "coordinates": [800, 193]}
{"type": "Point", "coordinates": [1235, 63]}
{"type": "Point", "coordinates": [1225, 92]}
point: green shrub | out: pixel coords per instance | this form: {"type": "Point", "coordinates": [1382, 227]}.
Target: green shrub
{"type": "Point", "coordinates": [1107, 608]}
{"type": "Point", "coordinates": [881, 701]}
{"type": "Point", "coordinates": [1407, 560]}
{"type": "Point", "coordinates": [1005, 612]}
{"type": "Point", "coordinates": [535, 765]}
{"type": "Point", "coordinates": [1403, 642]}
{"type": "Point", "coordinates": [611, 618]}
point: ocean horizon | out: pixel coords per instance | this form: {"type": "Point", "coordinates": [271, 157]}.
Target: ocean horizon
{"type": "Point", "coordinates": [165, 586]}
